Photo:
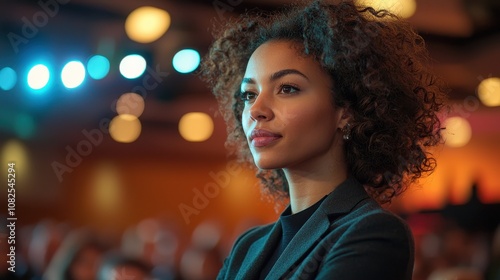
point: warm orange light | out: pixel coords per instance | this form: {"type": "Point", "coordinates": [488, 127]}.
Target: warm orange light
{"type": "Point", "coordinates": [196, 126]}
{"type": "Point", "coordinates": [457, 133]}
{"type": "Point", "coordinates": [130, 103]}
{"type": "Point", "coordinates": [402, 8]}
{"type": "Point", "coordinates": [107, 190]}
{"type": "Point", "coordinates": [14, 151]}
{"type": "Point", "coordinates": [147, 24]}
{"type": "Point", "coordinates": [488, 92]}
{"type": "Point", "coordinates": [125, 128]}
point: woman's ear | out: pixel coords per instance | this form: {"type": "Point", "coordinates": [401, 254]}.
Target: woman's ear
{"type": "Point", "coordinates": [345, 117]}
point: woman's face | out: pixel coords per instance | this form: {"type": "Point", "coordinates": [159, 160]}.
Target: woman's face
{"type": "Point", "coordinates": [289, 118]}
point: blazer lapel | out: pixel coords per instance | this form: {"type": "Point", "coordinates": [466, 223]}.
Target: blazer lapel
{"type": "Point", "coordinates": [300, 244]}
{"type": "Point", "coordinates": [258, 252]}
{"type": "Point", "coordinates": [341, 200]}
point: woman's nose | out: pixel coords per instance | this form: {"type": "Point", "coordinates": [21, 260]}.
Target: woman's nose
{"type": "Point", "coordinates": [261, 108]}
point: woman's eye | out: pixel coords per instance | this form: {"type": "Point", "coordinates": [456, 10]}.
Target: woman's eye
{"type": "Point", "coordinates": [288, 89]}
{"type": "Point", "coordinates": [248, 96]}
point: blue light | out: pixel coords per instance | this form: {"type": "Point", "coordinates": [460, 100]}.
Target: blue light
{"type": "Point", "coordinates": [38, 76]}
{"type": "Point", "coordinates": [73, 74]}
{"type": "Point", "coordinates": [186, 61]}
{"type": "Point", "coordinates": [8, 78]}
{"type": "Point", "coordinates": [132, 66]}
{"type": "Point", "coordinates": [98, 67]}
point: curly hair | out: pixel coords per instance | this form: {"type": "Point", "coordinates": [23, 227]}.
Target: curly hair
{"type": "Point", "coordinates": [379, 66]}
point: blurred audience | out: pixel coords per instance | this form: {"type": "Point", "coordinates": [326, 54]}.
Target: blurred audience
{"type": "Point", "coordinates": [46, 237]}
{"type": "Point", "coordinates": [493, 269]}
{"type": "Point", "coordinates": [119, 267]}
{"type": "Point", "coordinates": [158, 244]}
{"type": "Point", "coordinates": [203, 259]}
{"type": "Point", "coordinates": [78, 258]}
{"type": "Point", "coordinates": [445, 251]}
{"type": "Point", "coordinates": [456, 274]}
{"type": "Point", "coordinates": [155, 249]}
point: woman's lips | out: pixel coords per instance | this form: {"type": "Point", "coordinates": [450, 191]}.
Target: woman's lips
{"type": "Point", "coordinates": [262, 138]}
{"type": "Point", "coordinates": [263, 141]}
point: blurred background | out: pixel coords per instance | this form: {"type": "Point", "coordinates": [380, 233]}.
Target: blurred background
{"type": "Point", "coordinates": [119, 151]}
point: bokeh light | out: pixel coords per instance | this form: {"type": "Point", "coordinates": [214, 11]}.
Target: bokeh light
{"type": "Point", "coordinates": [488, 92]}
{"type": "Point", "coordinates": [15, 151]}
{"type": "Point", "coordinates": [132, 66]}
{"type": "Point", "coordinates": [130, 103]}
{"type": "Point", "coordinates": [125, 128]}
{"type": "Point", "coordinates": [147, 24]}
{"type": "Point", "coordinates": [107, 190]}
{"type": "Point", "coordinates": [196, 127]}
{"type": "Point", "coordinates": [186, 61]}
{"type": "Point", "coordinates": [73, 74]}
{"type": "Point", "coordinates": [24, 126]}
{"type": "Point", "coordinates": [98, 67]}
{"type": "Point", "coordinates": [402, 8]}
{"type": "Point", "coordinates": [457, 132]}
{"type": "Point", "coordinates": [8, 78]}
{"type": "Point", "coordinates": [38, 76]}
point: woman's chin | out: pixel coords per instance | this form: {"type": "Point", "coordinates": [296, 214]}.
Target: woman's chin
{"type": "Point", "coordinates": [267, 161]}
{"type": "Point", "coordinates": [267, 165]}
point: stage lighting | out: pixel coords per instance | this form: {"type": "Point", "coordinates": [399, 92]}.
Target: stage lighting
{"type": "Point", "coordinates": [458, 132]}
{"type": "Point", "coordinates": [132, 66]}
{"type": "Point", "coordinates": [130, 103]}
{"type": "Point", "coordinates": [8, 78]}
{"type": "Point", "coordinates": [73, 74]}
{"type": "Point", "coordinates": [196, 126]}
{"type": "Point", "coordinates": [38, 76]}
{"type": "Point", "coordinates": [24, 125]}
{"type": "Point", "coordinates": [402, 8]}
{"type": "Point", "coordinates": [125, 128]}
{"type": "Point", "coordinates": [186, 61]}
{"type": "Point", "coordinates": [98, 67]}
{"type": "Point", "coordinates": [488, 91]}
{"type": "Point", "coordinates": [147, 24]}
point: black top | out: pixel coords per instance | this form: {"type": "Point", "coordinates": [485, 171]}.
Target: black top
{"type": "Point", "coordinates": [290, 225]}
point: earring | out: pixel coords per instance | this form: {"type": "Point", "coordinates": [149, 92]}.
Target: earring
{"type": "Point", "coordinates": [347, 132]}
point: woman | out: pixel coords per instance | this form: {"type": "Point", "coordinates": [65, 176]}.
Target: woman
{"type": "Point", "coordinates": [336, 107]}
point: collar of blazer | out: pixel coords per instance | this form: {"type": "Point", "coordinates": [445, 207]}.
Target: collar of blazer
{"type": "Point", "coordinates": [342, 200]}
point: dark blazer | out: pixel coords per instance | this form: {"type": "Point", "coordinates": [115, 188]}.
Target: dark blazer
{"type": "Point", "coordinates": [349, 237]}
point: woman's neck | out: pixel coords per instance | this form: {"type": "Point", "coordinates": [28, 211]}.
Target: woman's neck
{"type": "Point", "coordinates": [308, 184]}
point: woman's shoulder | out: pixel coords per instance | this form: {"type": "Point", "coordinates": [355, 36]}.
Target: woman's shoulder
{"type": "Point", "coordinates": [374, 237]}
{"type": "Point", "coordinates": [374, 211]}
{"type": "Point", "coordinates": [256, 232]}
{"type": "Point", "coordinates": [370, 217]}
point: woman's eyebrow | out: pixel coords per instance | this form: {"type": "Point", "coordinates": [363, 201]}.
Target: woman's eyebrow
{"type": "Point", "coordinates": [275, 76]}
{"type": "Point", "coordinates": [248, 81]}
{"type": "Point", "coordinates": [285, 72]}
